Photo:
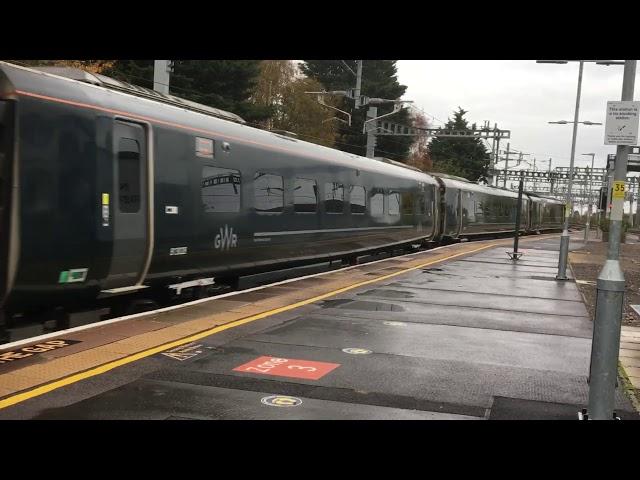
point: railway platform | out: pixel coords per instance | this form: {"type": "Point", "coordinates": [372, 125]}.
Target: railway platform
{"type": "Point", "coordinates": [457, 332]}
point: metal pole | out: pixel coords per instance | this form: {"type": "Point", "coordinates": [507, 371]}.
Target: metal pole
{"type": "Point", "coordinates": [497, 159]}
{"type": "Point", "coordinates": [610, 293]}
{"type": "Point", "coordinates": [371, 138]}
{"type": "Point", "coordinates": [358, 84]}
{"type": "Point", "coordinates": [518, 212]}
{"type": "Point", "coordinates": [493, 158]}
{"type": "Point", "coordinates": [609, 188]}
{"type": "Point", "coordinates": [586, 230]}
{"type": "Point", "coordinates": [161, 76]}
{"type": "Point", "coordinates": [564, 239]}
{"type": "Point", "coordinates": [637, 222]}
{"type": "Point", "coordinates": [630, 194]}
{"type": "Point", "coordinates": [506, 165]}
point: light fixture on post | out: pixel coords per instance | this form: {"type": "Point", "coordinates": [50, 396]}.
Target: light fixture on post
{"type": "Point", "coordinates": [564, 239]}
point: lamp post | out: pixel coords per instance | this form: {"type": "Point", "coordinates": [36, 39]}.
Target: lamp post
{"type": "Point", "coordinates": [610, 288]}
{"type": "Point", "coordinates": [588, 226]}
{"type": "Point", "coordinates": [564, 239]}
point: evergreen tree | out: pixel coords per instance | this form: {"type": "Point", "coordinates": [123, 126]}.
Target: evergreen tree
{"type": "Point", "coordinates": [464, 157]}
{"type": "Point", "coordinates": [379, 80]}
{"type": "Point", "coordinates": [224, 84]}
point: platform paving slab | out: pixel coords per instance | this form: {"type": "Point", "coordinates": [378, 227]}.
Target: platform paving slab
{"type": "Point", "coordinates": [467, 317]}
{"type": "Point", "coordinates": [159, 400]}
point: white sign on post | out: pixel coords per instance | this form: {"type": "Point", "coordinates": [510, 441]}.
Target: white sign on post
{"type": "Point", "coordinates": [622, 123]}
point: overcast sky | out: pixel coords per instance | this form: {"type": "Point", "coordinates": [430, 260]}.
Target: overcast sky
{"type": "Point", "coordinates": [521, 96]}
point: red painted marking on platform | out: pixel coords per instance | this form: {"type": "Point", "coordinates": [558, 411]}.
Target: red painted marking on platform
{"type": "Point", "coordinates": [288, 367]}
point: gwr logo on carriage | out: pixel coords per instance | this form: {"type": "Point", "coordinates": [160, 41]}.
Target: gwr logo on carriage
{"type": "Point", "coordinates": [226, 239]}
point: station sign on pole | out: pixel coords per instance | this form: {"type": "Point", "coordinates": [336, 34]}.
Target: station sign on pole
{"type": "Point", "coordinates": [621, 127]}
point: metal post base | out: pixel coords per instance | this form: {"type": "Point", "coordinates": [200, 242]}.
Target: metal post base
{"type": "Point", "coordinates": [584, 415]}
{"type": "Point", "coordinates": [586, 233]}
{"type": "Point", "coordinates": [603, 372]}
{"type": "Point", "coordinates": [564, 254]}
{"type": "Point", "coordinates": [515, 255]}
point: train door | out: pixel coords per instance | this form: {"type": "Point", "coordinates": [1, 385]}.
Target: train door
{"type": "Point", "coordinates": [130, 212]}
{"type": "Point", "coordinates": [7, 263]}
{"type": "Point", "coordinates": [459, 212]}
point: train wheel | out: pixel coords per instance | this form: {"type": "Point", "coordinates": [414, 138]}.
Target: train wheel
{"type": "Point", "coordinates": [125, 307]}
{"type": "Point", "coordinates": [59, 319]}
{"type": "Point", "coordinates": [351, 261]}
{"type": "Point", "coordinates": [5, 336]}
{"type": "Point", "coordinates": [231, 282]}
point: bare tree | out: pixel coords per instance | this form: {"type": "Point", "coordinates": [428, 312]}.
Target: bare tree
{"type": "Point", "coordinates": [419, 154]}
{"type": "Point", "coordinates": [282, 88]}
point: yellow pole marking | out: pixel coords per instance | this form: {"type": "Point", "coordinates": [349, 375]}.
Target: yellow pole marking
{"type": "Point", "coordinates": [21, 397]}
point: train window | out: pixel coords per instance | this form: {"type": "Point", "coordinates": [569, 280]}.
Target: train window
{"type": "Point", "coordinates": [333, 197]}
{"type": "Point", "coordinates": [407, 203]}
{"type": "Point", "coordinates": [377, 203]}
{"type": "Point", "coordinates": [429, 195]}
{"type": "Point", "coordinates": [358, 199]}
{"type": "Point", "coordinates": [268, 193]}
{"type": "Point", "coordinates": [394, 203]}
{"type": "Point", "coordinates": [204, 147]}
{"type": "Point", "coordinates": [420, 203]}
{"type": "Point", "coordinates": [305, 195]}
{"type": "Point", "coordinates": [128, 175]}
{"type": "Point", "coordinates": [220, 189]}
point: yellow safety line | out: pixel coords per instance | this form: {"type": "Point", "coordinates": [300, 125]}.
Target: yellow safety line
{"type": "Point", "coordinates": [21, 397]}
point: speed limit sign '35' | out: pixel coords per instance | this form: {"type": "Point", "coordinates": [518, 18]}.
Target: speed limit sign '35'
{"type": "Point", "coordinates": [618, 189]}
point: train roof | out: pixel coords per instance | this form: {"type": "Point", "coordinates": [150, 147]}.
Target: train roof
{"type": "Point", "coordinates": [542, 198]}
{"type": "Point", "coordinates": [451, 177]}
{"type": "Point", "coordinates": [463, 184]}
{"type": "Point", "coordinates": [108, 82]}
{"type": "Point", "coordinates": [467, 186]}
{"type": "Point", "coordinates": [139, 103]}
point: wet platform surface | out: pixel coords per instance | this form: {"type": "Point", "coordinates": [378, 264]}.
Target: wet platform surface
{"type": "Point", "coordinates": [477, 337]}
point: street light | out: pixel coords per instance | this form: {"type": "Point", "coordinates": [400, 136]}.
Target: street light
{"type": "Point", "coordinates": [586, 122]}
{"type": "Point", "coordinates": [564, 239]}
{"type": "Point", "coordinates": [597, 62]}
{"type": "Point", "coordinates": [588, 226]}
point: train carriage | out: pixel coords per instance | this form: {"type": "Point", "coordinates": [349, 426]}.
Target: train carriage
{"type": "Point", "coordinates": [545, 213]}
{"type": "Point", "coordinates": [471, 210]}
{"type": "Point", "coordinates": [114, 192]}
{"type": "Point", "coordinates": [109, 189]}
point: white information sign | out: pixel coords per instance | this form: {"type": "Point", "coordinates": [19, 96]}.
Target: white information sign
{"type": "Point", "coordinates": [622, 123]}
